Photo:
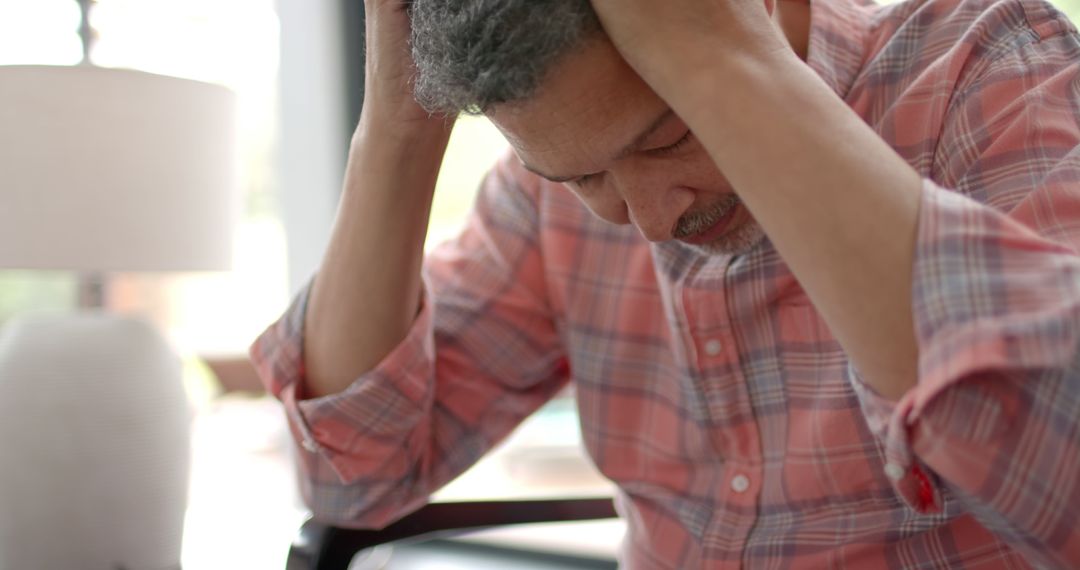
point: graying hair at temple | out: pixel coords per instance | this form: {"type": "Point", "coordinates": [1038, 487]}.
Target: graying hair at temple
{"type": "Point", "coordinates": [473, 54]}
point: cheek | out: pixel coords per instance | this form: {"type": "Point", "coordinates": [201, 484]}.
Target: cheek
{"type": "Point", "coordinates": [699, 170]}
{"type": "Point", "coordinates": [603, 201]}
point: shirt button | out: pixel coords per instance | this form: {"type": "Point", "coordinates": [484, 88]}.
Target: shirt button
{"type": "Point", "coordinates": [894, 471]}
{"type": "Point", "coordinates": [740, 483]}
{"type": "Point", "coordinates": [713, 347]}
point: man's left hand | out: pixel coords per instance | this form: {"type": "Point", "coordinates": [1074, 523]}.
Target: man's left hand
{"type": "Point", "coordinates": [671, 42]}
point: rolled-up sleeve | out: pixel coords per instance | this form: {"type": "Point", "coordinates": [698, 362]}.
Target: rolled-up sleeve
{"type": "Point", "coordinates": [481, 355]}
{"type": "Point", "coordinates": [994, 419]}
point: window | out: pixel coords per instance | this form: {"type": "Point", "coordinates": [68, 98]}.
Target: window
{"type": "Point", "coordinates": [39, 32]}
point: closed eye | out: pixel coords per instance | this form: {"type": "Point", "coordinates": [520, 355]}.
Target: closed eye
{"type": "Point", "coordinates": [671, 148]}
{"type": "Point", "coordinates": [581, 181]}
{"type": "Point", "coordinates": [588, 179]}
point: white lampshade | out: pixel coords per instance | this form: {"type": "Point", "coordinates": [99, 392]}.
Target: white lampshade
{"type": "Point", "coordinates": [115, 170]}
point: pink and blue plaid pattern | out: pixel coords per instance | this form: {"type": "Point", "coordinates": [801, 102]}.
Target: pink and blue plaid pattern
{"type": "Point", "coordinates": [709, 388]}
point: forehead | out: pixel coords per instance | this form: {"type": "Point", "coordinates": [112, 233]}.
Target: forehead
{"type": "Point", "coordinates": [590, 104]}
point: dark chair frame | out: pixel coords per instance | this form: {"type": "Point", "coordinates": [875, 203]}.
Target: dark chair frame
{"type": "Point", "coordinates": [322, 546]}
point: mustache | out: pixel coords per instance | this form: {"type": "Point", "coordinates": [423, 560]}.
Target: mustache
{"type": "Point", "coordinates": [697, 222]}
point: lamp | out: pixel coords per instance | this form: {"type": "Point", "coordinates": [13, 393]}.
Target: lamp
{"type": "Point", "coordinates": [102, 170]}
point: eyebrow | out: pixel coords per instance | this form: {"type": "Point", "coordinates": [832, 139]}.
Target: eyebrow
{"type": "Point", "coordinates": [628, 149]}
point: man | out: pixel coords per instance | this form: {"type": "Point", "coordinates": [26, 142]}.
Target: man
{"type": "Point", "coordinates": [824, 309]}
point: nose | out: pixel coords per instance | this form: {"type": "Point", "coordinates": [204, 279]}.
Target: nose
{"type": "Point", "coordinates": [654, 201]}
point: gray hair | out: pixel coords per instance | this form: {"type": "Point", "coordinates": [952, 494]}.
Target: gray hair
{"type": "Point", "coordinates": [473, 54]}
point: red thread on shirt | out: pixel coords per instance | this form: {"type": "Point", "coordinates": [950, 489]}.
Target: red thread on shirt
{"type": "Point", "coordinates": [926, 491]}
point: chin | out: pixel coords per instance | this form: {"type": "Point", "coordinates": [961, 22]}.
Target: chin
{"type": "Point", "coordinates": [736, 242]}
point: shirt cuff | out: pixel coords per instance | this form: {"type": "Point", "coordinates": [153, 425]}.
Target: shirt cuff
{"type": "Point", "coordinates": [912, 481]}
{"type": "Point", "coordinates": [317, 424]}
{"type": "Point", "coordinates": [969, 310]}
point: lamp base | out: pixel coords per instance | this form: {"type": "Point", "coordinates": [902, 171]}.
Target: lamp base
{"type": "Point", "coordinates": [95, 432]}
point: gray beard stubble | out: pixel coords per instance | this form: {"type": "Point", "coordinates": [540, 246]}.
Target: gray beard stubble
{"type": "Point", "coordinates": [740, 240]}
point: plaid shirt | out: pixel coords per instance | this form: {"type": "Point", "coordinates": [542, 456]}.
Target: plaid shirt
{"type": "Point", "coordinates": [709, 388]}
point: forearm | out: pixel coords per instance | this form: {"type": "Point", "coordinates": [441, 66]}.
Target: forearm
{"type": "Point", "coordinates": [429, 409]}
{"type": "Point", "coordinates": [367, 290]}
{"type": "Point", "coordinates": [839, 205]}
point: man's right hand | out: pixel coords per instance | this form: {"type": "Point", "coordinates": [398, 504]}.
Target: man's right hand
{"type": "Point", "coordinates": [388, 98]}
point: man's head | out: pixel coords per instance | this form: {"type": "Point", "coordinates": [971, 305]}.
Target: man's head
{"type": "Point", "coordinates": [575, 112]}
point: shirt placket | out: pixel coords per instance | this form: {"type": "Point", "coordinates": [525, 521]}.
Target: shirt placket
{"type": "Point", "coordinates": [720, 382]}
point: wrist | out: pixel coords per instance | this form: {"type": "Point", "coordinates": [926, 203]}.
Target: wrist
{"type": "Point", "coordinates": [386, 158]}
{"type": "Point", "coordinates": [395, 135]}
{"type": "Point", "coordinates": [706, 82]}
{"type": "Point", "coordinates": [671, 64]}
